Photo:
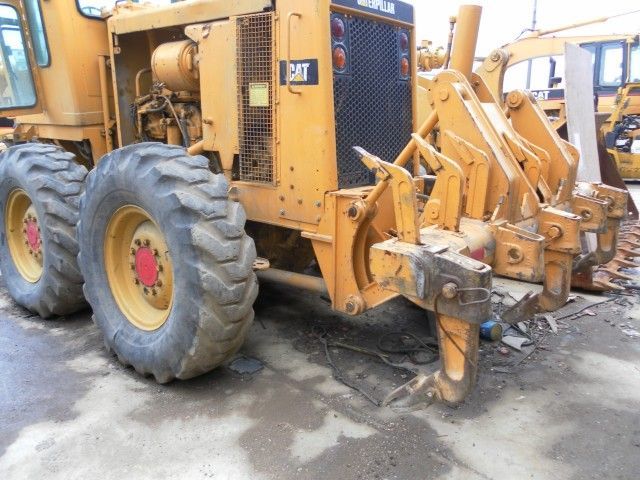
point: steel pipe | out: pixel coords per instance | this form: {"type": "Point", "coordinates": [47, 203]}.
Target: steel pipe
{"type": "Point", "coordinates": [299, 280]}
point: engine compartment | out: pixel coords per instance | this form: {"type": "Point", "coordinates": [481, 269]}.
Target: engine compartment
{"type": "Point", "coordinates": [170, 110]}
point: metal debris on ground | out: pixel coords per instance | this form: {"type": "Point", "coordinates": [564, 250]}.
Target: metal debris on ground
{"type": "Point", "coordinates": [515, 342]}
{"type": "Point", "coordinates": [411, 348]}
{"type": "Point", "coordinates": [246, 365]}
{"type": "Point", "coordinates": [553, 325]}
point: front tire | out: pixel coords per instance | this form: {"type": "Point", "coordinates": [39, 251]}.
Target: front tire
{"type": "Point", "coordinates": [166, 261]}
{"type": "Point", "coordinates": [40, 187]}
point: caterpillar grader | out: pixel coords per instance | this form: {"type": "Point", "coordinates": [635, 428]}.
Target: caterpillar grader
{"type": "Point", "coordinates": [158, 150]}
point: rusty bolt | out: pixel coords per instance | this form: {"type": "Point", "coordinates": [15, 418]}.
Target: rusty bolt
{"type": "Point", "coordinates": [554, 231]}
{"type": "Point", "coordinates": [136, 281]}
{"type": "Point", "coordinates": [281, 197]}
{"type": "Point", "coordinates": [586, 214]}
{"type": "Point", "coordinates": [318, 203]}
{"type": "Point", "coordinates": [291, 168]}
{"type": "Point", "coordinates": [353, 305]}
{"type": "Point", "coordinates": [154, 292]}
{"type": "Point", "coordinates": [299, 201]}
{"type": "Point", "coordinates": [352, 212]}
{"type": "Point", "coordinates": [449, 290]}
{"type": "Point", "coordinates": [514, 99]}
{"type": "Point", "coordinates": [282, 212]}
{"type": "Point", "coordinates": [159, 283]}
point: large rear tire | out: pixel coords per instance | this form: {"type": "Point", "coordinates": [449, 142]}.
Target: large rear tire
{"type": "Point", "coordinates": [40, 187]}
{"type": "Point", "coordinates": [166, 261]}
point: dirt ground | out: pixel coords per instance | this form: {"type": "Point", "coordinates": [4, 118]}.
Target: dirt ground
{"type": "Point", "coordinates": [569, 410]}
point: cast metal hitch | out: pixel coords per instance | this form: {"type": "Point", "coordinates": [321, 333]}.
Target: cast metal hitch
{"type": "Point", "coordinates": [458, 289]}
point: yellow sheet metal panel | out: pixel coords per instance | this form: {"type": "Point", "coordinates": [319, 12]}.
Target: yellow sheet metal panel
{"type": "Point", "coordinates": [217, 51]}
{"type": "Point", "coordinates": [137, 18]}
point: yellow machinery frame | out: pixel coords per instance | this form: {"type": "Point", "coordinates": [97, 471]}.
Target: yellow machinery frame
{"type": "Point", "coordinates": [498, 202]}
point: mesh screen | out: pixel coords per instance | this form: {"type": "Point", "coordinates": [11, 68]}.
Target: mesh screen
{"type": "Point", "coordinates": [373, 106]}
{"type": "Point", "coordinates": [255, 69]}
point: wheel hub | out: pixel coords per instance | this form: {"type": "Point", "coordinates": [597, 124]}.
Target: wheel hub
{"type": "Point", "coordinates": [24, 237]}
{"type": "Point", "coordinates": [146, 266]}
{"type": "Point", "coordinates": [32, 234]}
{"type": "Point", "coordinates": [139, 268]}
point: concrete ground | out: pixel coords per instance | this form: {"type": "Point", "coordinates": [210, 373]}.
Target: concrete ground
{"type": "Point", "coordinates": [568, 411]}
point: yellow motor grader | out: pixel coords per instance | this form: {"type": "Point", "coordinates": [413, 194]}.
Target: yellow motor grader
{"type": "Point", "coordinates": [216, 131]}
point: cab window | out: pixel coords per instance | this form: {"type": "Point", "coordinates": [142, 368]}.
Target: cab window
{"type": "Point", "coordinates": [611, 65]}
{"type": "Point", "coordinates": [16, 83]}
{"type": "Point", "coordinates": [634, 69]}
{"type": "Point", "coordinates": [38, 35]}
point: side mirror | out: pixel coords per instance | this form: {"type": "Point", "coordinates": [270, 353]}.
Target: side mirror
{"type": "Point", "coordinates": [554, 82]}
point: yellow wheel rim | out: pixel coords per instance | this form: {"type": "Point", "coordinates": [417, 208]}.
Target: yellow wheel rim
{"type": "Point", "coordinates": [23, 235]}
{"type": "Point", "coordinates": [138, 267]}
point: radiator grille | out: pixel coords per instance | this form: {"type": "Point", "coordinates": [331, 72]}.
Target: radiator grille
{"type": "Point", "coordinates": [373, 106]}
{"type": "Point", "coordinates": [255, 73]}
